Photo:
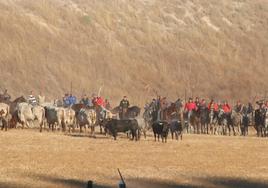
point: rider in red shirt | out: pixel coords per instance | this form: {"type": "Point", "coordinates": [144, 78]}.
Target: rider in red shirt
{"type": "Point", "coordinates": [226, 107]}
{"type": "Point", "coordinates": [100, 101]}
{"type": "Point", "coordinates": [214, 106]}
{"type": "Point", "coordinates": [190, 106]}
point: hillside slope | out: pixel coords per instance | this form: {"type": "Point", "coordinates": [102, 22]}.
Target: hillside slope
{"type": "Point", "coordinates": [135, 47]}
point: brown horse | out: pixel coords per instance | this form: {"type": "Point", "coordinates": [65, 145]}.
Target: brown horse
{"type": "Point", "coordinates": [174, 111]}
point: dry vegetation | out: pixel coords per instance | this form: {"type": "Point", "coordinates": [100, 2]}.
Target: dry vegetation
{"type": "Point", "coordinates": [32, 159]}
{"type": "Point", "coordinates": [214, 48]}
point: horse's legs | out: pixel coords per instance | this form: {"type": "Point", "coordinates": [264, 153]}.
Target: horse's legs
{"type": "Point", "coordinates": [93, 131]}
{"type": "Point", "coordinates": [7, 124]}
{"type": "Point", "coordinates": [100, 128]}
{"type": "Point", "coordinates": [144, 133]}
{"type": "Point", "coordinates": [41, 126]}
{"type": "Point", "coordinates": [229, 130]}
{"type": "Point", "coordinates": [234, 131]}
{"type": "Point", "coordinates": [242, 131]}
{"type": "Point", "coordinates": [216, 129]}
{"type": "Point", "coordinates": [210, 129]}
{"type": "Point", "coordinates": [258, 131]}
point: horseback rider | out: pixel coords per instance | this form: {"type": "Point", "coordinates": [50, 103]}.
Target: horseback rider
{"type": "Point", "coordinates": [163, 106]}
{"type": "Point", "coordinates": [250, 108]}
{"type": "Point", "coordinates": [72, 99]}
{"type": "Point", "coordinates": [226, 107]}
{"type": "Point", "coordinates": [69, 100]}
{"type": "Point", "coordinates": [100, 101]}
{"type": "Point", "coordinates": [85, 100]}
{"type": "Point", "coordinates": [203, 103]}
{"type": "Point", "coordinates": [94, 99]}
{"type": "Point", "coordinates": [107, 104]}
{"type": "Point", "coordinates": [238, 107]}
{"type": "Point", "coordinates": [197, 102]}
{"type": "Point", "coordinates": [190, 106]}
{"type": "Point", "coordinates": [213, 106]}
{"type": "Point", "coordinates": [65, 100]}
{"type": "Point", "coordinates": [100, 106]}
{"type": "Point", "coordinates": [5, 96]}
{"type": "Point", "coordinates": [41, 98]}
{"type": "Point", "coordinates": [124, 104]}
{"type": "Point", "coordinates": [31, 99]}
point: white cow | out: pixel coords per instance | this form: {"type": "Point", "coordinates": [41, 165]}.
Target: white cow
{"type": "Point", "coordinates": [28, 113]}
{"type": "Point", "coordinates": [69, 118]}
{"type": "Point", "coordinates": [87, 117]}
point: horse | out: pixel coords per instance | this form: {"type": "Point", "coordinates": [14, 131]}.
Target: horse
{"type": "Point", "coordinates": [246, 119]}
{"type": "Point", "coordinates": [213, 121]}
{"type": "Point", "coordinates": [244, 124]}
{"type": "Point", "coordinates": [131, 112]}
{"type": "Point", "coordinates": [235, 123]}
{"type": "Point", "coordinates": [194, 121]}
{"type": "Point", "coordinates": [204, 119]}
{"type": "Point", "coordinates": [174, 111]}
{"type": "Point", "coordinates": [222, 123]}
{"type": "Point", "coordinates": [148, 116]}
{"type": "Point", "coordinates": [261, 122]}
{"type": "Point", "coordinates": [116, 110]}
{"type": "Point", "coordinates": [266, 124]}
{"type": "Point", "coordinates": [14, 111]}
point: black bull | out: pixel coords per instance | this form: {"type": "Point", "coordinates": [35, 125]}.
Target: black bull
{"type": "Point", "coordinates": [115, 126]}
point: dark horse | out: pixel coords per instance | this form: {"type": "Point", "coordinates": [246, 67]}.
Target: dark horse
{"type": "Point", "coordinates": [193, 121]}
{"type": "Point", "coordinates": [174, 111]}
{"type": "Point", "coordinates": [132, 112]}
{"type": "Point", "coordinates": [204, 119]}
{"type": "Point", "coordinates": [13, 110]}
{"type": "Point", "coordinates": [260, 122]}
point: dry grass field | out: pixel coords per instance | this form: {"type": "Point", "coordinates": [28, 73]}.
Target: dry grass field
{"type": "Point", "coordinates": [32, 159]}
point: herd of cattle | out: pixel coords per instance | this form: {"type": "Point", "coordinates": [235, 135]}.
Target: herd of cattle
{"type": "Point", "coordinates": [52, 117]}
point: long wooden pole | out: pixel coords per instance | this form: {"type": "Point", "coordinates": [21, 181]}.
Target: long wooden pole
{"type": "Point", "coordinates": [122, 179]}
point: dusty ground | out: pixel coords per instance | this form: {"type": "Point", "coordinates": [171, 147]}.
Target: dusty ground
{"type": "Point", "coordinates": [32, 159]}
